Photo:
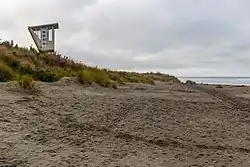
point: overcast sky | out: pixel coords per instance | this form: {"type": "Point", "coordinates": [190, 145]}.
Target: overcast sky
{"type": "Point", "coordinates": [180, 37]}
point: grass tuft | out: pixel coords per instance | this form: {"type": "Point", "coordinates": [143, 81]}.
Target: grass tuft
{"type": "Point", "coordinates": [26, 82]}
{"type": "Point", "coordinates": [85, 77]}
{"type": "Point", "coordinates": [90, 76]}
{"type": "Point", "coordinates": [6, 73]}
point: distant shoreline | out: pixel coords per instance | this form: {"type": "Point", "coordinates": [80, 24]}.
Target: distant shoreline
{"type": "Point", "coordinates": [217, 77]}
{"type": "Point", "coordinates": [218, 80]}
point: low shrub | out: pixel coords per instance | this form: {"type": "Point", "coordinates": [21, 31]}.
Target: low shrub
{"type": "Point", "coordinates": [10, 59]}
{"type": "Point", "coordinates": [26, 82]}
{"type": "Point", "coordinates": [118, 79]}
{"type": "Point", "coordinates": [101, 78]}
{"type": "Point", "coordinates": [60, 72]}
{"type": "Point", "coordinates": [45, 76]}
{"type": "Point", "coordinates": [93, 76]}
{"type": "Point", "coordinates": [121, 81]}
{"type": "Point", "coordinates": [6, 73]}
{"type": "Point", "coordinates": [112, 84]}
{"type": "Point", "coordinates": [85, 77]}
{"type": "Point", "coordinates": [26, 67]}
{"type": "Point", "coordinates": [149, 81]}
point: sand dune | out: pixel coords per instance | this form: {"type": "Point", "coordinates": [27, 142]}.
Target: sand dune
{"type": "Point", "coordinates": [68, 124]}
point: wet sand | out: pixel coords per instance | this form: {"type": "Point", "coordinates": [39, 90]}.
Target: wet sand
{"type": "Point", "coordinates": [68, 124]}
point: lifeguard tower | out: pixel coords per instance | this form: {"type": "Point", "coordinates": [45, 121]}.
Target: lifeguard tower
{"type": "Point", "coordinates": [44, 36]}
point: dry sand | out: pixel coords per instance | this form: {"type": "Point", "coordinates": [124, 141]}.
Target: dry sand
{"type": "Point", "coordinates": [165, 125]}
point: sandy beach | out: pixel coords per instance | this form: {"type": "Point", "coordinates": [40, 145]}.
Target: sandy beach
{"type": "Point", "coordinates": [165, 125]}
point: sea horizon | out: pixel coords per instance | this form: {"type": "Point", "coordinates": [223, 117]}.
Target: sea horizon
{"type": "Point", "coordinates": [224, 80]}
{"type": "Point", "coordinates": [213, 76]}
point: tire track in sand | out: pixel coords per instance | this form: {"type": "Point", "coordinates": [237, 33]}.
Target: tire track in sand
{"type": "Point", "coordinates": [166, 142]}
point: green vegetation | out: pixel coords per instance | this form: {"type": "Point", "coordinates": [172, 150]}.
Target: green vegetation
{"type": "Point", "coordinates": [6, 73]}
{"type": "Point", "coordinates": [29, 66]}
{"type": "Point", "coordinates": [26, 82]}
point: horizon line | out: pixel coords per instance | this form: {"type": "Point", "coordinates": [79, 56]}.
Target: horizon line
{"type": "Point", "coordinates": [214, 76]}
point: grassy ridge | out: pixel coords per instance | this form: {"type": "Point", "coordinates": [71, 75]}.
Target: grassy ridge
{"type": "Point", "coordinates": [26, 64]}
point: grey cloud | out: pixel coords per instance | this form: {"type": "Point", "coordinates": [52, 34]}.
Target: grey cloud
{"type": "Point", "coordinates": [7, 23]}
{"type": "Point", "coordinates": [144, 31]}
{"type": "Point", "coordinates": [183, 37]}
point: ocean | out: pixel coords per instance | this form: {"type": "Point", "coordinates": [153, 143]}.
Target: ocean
{"type": "Point", "coordinates": [219, 80]}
